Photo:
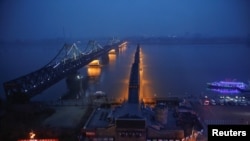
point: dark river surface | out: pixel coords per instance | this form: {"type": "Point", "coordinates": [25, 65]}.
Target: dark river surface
{"type": "Point", "coordinates": [167, 70]}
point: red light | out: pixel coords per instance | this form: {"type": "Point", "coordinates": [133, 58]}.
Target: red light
{"type": "Point", "coordinates": [88, 134]}
{"type": "Point", "coordinates": [38, 140]}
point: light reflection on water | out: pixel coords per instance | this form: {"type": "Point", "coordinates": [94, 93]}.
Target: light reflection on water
{"type": "Point", "coordinates": [178, 70]}
{"type": "Point", "coordinates": [167, 70]}
{"type": "Point", "coordinates": [94, 71]}
{"type": "Point", "coordinates": [112, 58]}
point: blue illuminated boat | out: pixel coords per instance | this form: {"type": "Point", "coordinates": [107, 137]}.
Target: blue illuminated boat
{"type": "Point", "coordinates": [230, 85]}
{"type": "Point", "coordinates": [225, 90]}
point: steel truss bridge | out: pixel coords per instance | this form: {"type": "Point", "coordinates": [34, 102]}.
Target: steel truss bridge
{"type": "Point", "coordinates": [68, 60]}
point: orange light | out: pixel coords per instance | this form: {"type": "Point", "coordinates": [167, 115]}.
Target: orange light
{"type": "Point", "coordinates": [94, 71]}
{"type": "Point", "coordinates": [32, 135]}
{"type": "Point", "coordinates": [112, 57]}
{"type": "Point", "coordinates": [94, 63]}
{"type": "Point", "coordinates": [90, 134]}
{"type": "Point", "coordinates": [112, 51]}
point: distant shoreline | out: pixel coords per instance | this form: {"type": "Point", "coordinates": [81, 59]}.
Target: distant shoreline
{"type": "Point", "coordinates": [157, 40]}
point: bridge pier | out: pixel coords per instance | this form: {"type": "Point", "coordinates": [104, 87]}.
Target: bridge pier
{"type": "Point", "coordinates": [94, 63]}
{"type": "Point", "coordinates": [94, 71]}
{"type": "Point", "coordinates": [104, 59]}
{"type": "Point", "coordinates": [68, 60]}
{"type": "Point", "coordinates": [108, 58]}
{"type": "Point", "coordinates": [75, 86]}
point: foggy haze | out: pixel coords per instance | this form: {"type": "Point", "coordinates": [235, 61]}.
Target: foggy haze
{"type": "Point", "coordinates": [39, 19]}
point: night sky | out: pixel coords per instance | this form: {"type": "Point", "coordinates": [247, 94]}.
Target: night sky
{"type": "Point", "coordinates": [39, 19]}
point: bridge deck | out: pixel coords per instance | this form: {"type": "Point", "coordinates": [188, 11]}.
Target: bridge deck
{"type": "Point", "coordinates": [23, 88]}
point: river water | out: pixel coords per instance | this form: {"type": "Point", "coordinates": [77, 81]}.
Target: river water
{"type": "Point", "coordinates": [167, 70]}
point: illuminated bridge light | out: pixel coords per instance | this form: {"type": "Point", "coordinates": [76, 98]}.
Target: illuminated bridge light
{"type": "Point", "coordinates": [69, 58]}
{"type": "Point", "coordinates": [94, 63]}
{"type": "Point", "coordinates": [112, 51]}
{"type": "Point", "coordinates": [94, 71]}
{"type": "Point", "coordinates": [123, 44]}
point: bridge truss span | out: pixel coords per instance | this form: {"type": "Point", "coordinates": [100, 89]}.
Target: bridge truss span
{"type": "Point", "coordinates": [68, 60]}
